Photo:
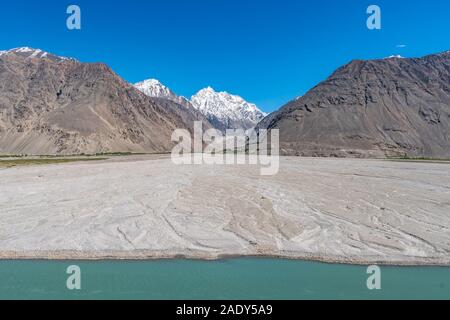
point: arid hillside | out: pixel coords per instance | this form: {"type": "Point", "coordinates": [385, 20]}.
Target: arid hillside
{"type": "Point", "coordinates": [55, 105]}
{"type": "Point", "coordinates": [387, 107]}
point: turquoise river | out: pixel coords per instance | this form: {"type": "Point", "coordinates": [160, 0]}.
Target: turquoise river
{"type": "Point", "coordinates": [226, 279]}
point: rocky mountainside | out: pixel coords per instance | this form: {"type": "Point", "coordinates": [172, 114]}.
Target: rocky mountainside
{"type": "Point", "coordinates": [387, 107]}
{"type": "Point", "coordinates": [56, 105]}
{"type": "Point", "coordinates": [226, 111]}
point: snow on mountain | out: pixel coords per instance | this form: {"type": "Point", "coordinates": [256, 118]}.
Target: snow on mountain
{"type": "Point", "coordinates": [154, 88]}
{"type": "Point", "coordinates": [30, 53]}
{"type": "Point", "coordinates": [395, 57]}
{"type": "Point", "coordinates": [227, 111]}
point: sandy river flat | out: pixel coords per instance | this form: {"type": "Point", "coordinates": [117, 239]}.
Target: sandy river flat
{"type": "Point", "coordinates": [335, 210]}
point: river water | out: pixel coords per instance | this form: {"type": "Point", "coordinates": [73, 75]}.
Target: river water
{"type": "Point", "coordinates": [225, 279]}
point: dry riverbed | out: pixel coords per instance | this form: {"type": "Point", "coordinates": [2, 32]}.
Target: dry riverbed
{"type": "Point", "coordinates": [145, 207]}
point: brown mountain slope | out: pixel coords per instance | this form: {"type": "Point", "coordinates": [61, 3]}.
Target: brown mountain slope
{"type": "Point", "coordinates": [386, 107]}
{"type": "Point", "coordinates": [53, 105]}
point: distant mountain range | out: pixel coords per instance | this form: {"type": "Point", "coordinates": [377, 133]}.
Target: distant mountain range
{"type": "Point", "coordinates": [388, 107]}
{"type": "Point", "coordinates": [227, 111]}
{"type": "Point", "coordinates": [223, 110]}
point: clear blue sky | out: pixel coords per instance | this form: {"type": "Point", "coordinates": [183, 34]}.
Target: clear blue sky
{"type": "Point", "coordinates": [268, 51]}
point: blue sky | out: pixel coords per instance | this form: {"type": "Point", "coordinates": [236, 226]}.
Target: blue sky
{"type": "Point", "coordinates": [268, 51]}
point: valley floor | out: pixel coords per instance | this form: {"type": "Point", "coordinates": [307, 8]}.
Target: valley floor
{"type": "Point", "coordinates": [145, 207]}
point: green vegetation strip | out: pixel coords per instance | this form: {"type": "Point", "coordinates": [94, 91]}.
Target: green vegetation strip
{"type": "Point", "coordinates": [104, 154]}
{"type": "Point", "coordinates": [421, 159]}
{"type": "Point", "coordinates": [38, 161]}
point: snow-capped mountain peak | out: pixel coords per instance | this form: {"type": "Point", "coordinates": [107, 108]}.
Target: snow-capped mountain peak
{"type": "Point", "coordinates": [154, 88]}
{"type": "Point", "coordinates": [30, 53]}
{"type": "Point", "coordinates": [227, 111]}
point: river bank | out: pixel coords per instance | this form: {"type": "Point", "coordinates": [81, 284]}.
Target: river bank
{"type": "Point", "coordinates": [144, 207]}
